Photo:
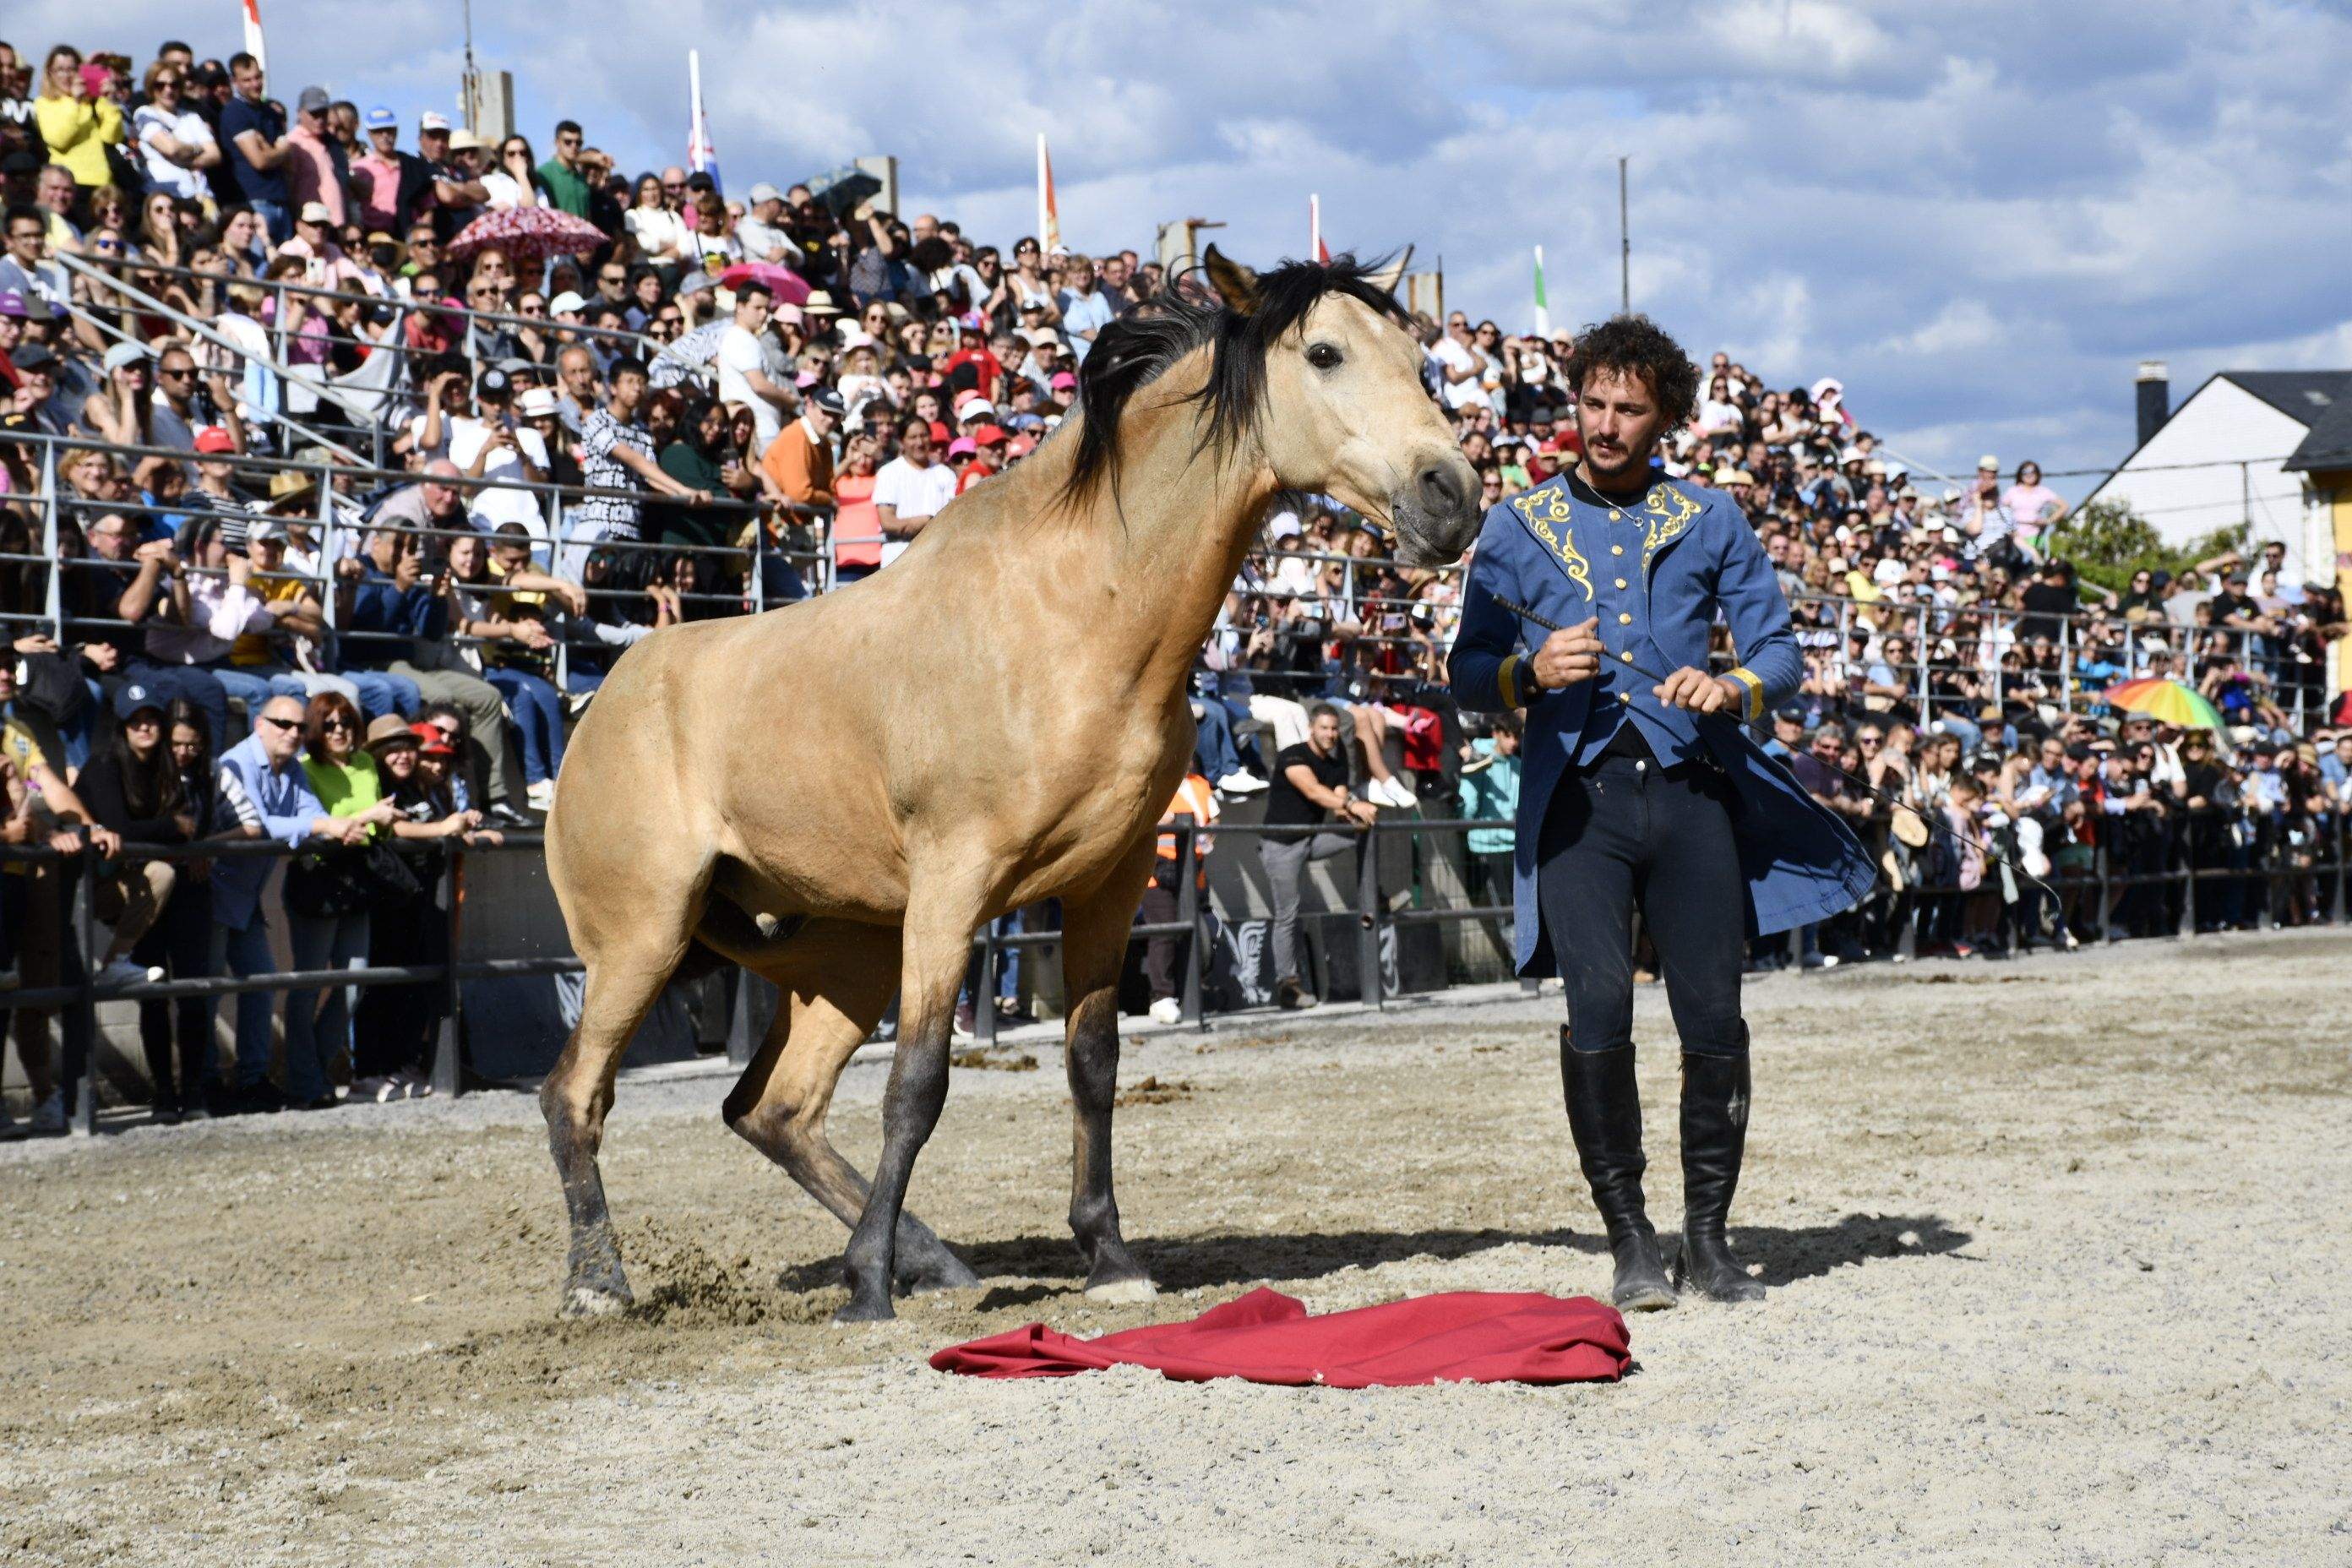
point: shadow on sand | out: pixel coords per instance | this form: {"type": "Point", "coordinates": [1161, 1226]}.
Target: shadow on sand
{"type": "Point", "coordinates": [1786, 1253]}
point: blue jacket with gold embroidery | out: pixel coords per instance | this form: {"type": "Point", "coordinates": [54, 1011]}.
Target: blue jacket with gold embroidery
{"type": "Point", "coordinates": [1654, 574]}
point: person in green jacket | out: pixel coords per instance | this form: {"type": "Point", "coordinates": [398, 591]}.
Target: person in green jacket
{"type": "Point", "coordinates": [343, 777]}
{"type": "Point", "coordinates": [1490, 789]}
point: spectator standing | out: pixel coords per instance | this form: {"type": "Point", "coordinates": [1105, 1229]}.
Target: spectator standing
{"type": "Point", "coordinates": [1308, 792]}
{"type": "Point", "coordinates": [560, 176]}
{"type": "Point", "coordinates": [131, 788]}
{"type": "Point", "coordinates": [175, 143]}
{"type": "Point", "coordinates": [1086, 310]}
{"type": "Point", "coordinates": [2034, 505]}
{"type": "Point", "coordinates": [391, 1024]}
{"type": "Point", "coordinates": [391, 188]}
{"type": "Point", "coordinates": [1490, 789]}
{"type": "Point", "coordinates": [616, 453]}
{"type": "Point", "coordinates": [256, 149]}
{"type": "Point", "coordinates": [78, 122]}
{"type": "Point", "coordinates": [342, 777]}
{"type": "Point", "coordinates": [761, 233]}
{"type": "Point", "coordinates": [182, 940]}
{"type": "Point", "coordinates": [264, 771]}
{"type": "Point", "coordinates": [1196, 799]}
{"type": "Point", "coordinates": [311, 171]}
{"type": "Point", "coordinates": [910, 490]}
{"type": "Point", "coordinates": [743, 380]}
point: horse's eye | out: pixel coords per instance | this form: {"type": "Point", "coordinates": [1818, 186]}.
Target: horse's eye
{"type": "Point", "coordinates": [1323, 356]}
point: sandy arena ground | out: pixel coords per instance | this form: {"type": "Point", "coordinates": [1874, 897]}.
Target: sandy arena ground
{"type": "Point", "coordinates": [2059, 1250]}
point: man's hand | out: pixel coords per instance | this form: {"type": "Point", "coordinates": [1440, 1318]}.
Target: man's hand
{"type": "Point", "coordinates": [102, 657]}
{"type": "Point", "coordinates": [1698, 691]}
{"type": "Point", "coordinates": [156, 549]}
{"type": "Point", "coordinates": [1362, 813]}
{"type": "Point", "coordinates": [39, 642]}
{"type": "Point", "coordinates": [410, 568]}
{"type": "Point", "coordinates": [1568, 656]}
{"type": "Point", "coordinates": [108, 842]}
{"type": "Point", "coordinates": [574, 597]}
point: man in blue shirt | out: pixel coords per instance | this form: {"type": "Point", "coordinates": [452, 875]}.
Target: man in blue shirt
{"type": "Point", "coordinates": [264, 770]}
{"type": "Point", "coordinates": [1641, 789]}
{"type": "Point", "coordinates": [252, 138]}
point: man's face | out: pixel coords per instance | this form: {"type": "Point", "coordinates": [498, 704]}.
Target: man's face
{"type": "Point", "coordinates": [1619, 419]}
{"type": "Point", "coordinates": [752, 312]}
{"type": "Point", "coordinates": [1324, 733]}
{"type": "Point", "coordinates": [386, 140]}
{"type": "Point", "coordinates": [280, 725]}
{"type": "Point", "coordinates": [1826, 745]}
{"type": "Point", "coordinates": [567, 146]}
{"type": "Point", "coordinates": [578, 373]}
{"type": "Point", "coordinates": [612, 281]}
{"type": "Point", "coordinates": [27, 238]}
{"type": "Point", "coordinates": [440, 501]}
{"type": "Point", "coordinates": [1115, 275]}
{"type": "Point", "coordinates": [433, 145]}
{"type": "Point", "coordinates": [1788, 732]}
{"type": "Point", "coordinates": [915, 445]}
{"type": "Point", "coordinates": [175, 377]}
{"type": "Point", "coordinates": [109, 538]}
{"type": "Point", "coordinates": [822, 420]}
{"type": "Point", "coordinates": [629, 388]}
{"type": "Point", "coordinates": [56, 190]}
{"type": "Point", "coordinates": [247, 80]}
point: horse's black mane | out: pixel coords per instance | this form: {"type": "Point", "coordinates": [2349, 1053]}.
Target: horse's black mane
{"type": "Point", "coordinates": [1134, 349]}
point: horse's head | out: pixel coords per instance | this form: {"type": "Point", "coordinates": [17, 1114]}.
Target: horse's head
{"type": "Point", "coordinates": [1344, 412]}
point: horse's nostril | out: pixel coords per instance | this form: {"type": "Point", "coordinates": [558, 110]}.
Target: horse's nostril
{"type": "Point", "coordinates": [1440, 491]}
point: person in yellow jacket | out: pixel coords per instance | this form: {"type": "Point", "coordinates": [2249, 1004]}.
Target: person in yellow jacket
{"type": "Point", "coordinates": [78, 121]}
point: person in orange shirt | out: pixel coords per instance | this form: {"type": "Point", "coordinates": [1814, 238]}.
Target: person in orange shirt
{"type": "Point", "coordinates": [796, 477]}
{"type": "Point", "coordinates": [1195, 798]}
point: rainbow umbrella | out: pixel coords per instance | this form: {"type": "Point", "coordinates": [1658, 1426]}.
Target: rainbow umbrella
{"type": "Point", "coordinates": [2167, 703]}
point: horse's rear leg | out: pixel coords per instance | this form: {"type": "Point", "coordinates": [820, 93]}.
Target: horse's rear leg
{"type": "Point", "coordinates": [1093, 949]}
{"type": "Point", "coordinates": [574, 1099]}
{"type": "Point", "coordinates": [942, 908]}
{"type": "Point", "coordinates": [837, 984]}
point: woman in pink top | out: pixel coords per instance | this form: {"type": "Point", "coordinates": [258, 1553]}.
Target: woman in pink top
{"type": "Point", "coordinates": [2034, 505]}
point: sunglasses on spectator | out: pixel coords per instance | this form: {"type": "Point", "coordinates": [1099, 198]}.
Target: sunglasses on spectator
{"type": "Point", "coordinates": [177, 372]}
{"type": "Point", "coordinates": [277, 722]}
{"type": "Point", "coordinates": [334, 721]}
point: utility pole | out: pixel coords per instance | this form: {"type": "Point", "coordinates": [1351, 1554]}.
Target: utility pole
{"type": "Point", "coordinates": [1625, 247]}
{"type": "Point", "coordinates": [469, 85]}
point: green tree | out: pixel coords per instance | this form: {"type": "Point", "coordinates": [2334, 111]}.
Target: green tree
{"type": "Point", "coordinates": [2107, 541]}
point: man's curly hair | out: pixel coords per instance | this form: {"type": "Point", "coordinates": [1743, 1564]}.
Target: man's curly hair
{"type": "Point", "coordinates": [1635, 345]}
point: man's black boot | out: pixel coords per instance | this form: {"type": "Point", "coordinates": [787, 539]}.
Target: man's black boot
{"type": "Point", "coordinates": [1714, 1135]}
{"type": "Point", "coordinates": [1604, 1114]}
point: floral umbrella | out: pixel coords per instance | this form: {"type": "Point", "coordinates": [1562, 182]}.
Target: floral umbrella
{"type": "Point", "coordinates": [528, 235]}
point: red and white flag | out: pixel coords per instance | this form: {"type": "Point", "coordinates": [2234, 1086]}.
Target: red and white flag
{"type": "Point", "coordinates": [253, 44]}
{"type": "Point", "coordinates": [1049, 216]}
{"type": "Point", "coordinates": [1315, 246]}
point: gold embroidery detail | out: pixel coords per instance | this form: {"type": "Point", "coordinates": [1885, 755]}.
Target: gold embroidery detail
{"type": "Point", "coordinates": [1669, 512]}
{"type": "Point", "coordinates": [1541, 508]}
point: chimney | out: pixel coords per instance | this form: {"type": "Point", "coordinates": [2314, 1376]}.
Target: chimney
{"type": "Point", "coordinates": [2155, 397]}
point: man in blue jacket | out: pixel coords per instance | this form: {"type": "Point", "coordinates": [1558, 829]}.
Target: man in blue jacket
{"type": "Point", "coordinates": [1643, 793]}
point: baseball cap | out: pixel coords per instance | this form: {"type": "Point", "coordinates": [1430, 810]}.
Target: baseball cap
{"type": "Point", "coordinates": [962, 446]}
{"type": "Point", "coordinates": [34, 356]}
{"type": "Point", "coordinates": [538, 402]}
{"type": "Point", "coordinates": [134, 697]}
{"type": "Point", "coordinates": [1062, 379]}
{"type": "Point", "coordinates": [212, 438]}
{"type": "Point", "coordinates": [314, 100]}
{"type": "Point", "coordinates": [11, 303]}
{"type": "Point", "coordinates": [763, 192]}
{"type": "Point", "coordinates": [1988, 461]}
{"type": "Point", "coordinates": [431, 741]}
{"type": "Point", "coordinates": [122, 355]}
{"type": "Point", "coordinates": [314, 212]}
{"type": "Point", "coordinates": [1789, 713]}
{"type": "Point", "coordinates": [494, 382]}
{"type": "Point", "coordinates": [975, 407]}
{"type": "Point", "coordinates": [988, 435]}
{"type": "Point", "coordinates": [1021, 447]}
{"type": "Point", "coordinates": [1041, 337]}
{"type": "Point", "coordinates": [379, 118]}
{"type": "Point", "coordinates": [266, 528]}
{"type": "Point", "coordinates": [429, 120]}
{"type": "Point", "coordinates": [565, 303]}
{"type": "Point", "coordinates": [829, 400]}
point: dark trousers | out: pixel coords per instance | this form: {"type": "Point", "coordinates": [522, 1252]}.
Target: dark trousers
{"type": "Point", "coordinates": [1626, 834]}
{"type": "Point", "coordinates": [1159, 908]}
{"type": "Point", "coordinates": [182, 940]}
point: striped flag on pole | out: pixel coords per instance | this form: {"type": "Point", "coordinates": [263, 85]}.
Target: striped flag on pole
{"type": "Point", "coordinates": [1315, 246]}
{"type": "Point", "coordinates": [1543, 306]}
{"type": "Point", "coordinates": [253, 44]}
{"type": "Point", "coordinates": [701, 157]}
{"type": "Point", "coordinates": [1049, 216]}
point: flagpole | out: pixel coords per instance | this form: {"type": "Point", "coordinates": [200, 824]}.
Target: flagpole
{"type": "Point", "coordinates": [1543, 303]}
{"type": "Point", "coordinates": [1314, 228]}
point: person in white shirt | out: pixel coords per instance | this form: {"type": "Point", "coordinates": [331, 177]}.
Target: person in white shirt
{"type": "Point", "coordinates": [499, 445]}
{"type": "Point", "coordinates": [743, 380]}
{"type": "Point", "coordinates": [1459, 367]}
{"type": "Point", "coordinates": [174, 140]}
{"type": "Point", "coordinates": [761, 237]}
{"type": "Point", "coordinates": [910, 488]}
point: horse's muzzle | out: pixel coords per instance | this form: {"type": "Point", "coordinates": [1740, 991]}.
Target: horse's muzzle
{"type": "Point", "coordinates": [1437, 514]}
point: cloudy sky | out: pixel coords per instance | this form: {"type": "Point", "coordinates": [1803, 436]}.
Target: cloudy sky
{"type": "Point", "coordinates": [1979, 217]}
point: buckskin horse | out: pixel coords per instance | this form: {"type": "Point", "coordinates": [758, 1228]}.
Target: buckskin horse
{"type": "Point", "coordinates": [837, 794]}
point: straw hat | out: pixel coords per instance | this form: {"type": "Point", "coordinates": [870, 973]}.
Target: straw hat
{"type": "Point", "coordinates": [387, 731]}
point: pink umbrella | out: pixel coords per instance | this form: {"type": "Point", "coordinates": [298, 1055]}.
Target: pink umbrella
{"type": "Point", "coordinates": [528, 235]}
{"type": "Point", "coordinates": [788, 285]}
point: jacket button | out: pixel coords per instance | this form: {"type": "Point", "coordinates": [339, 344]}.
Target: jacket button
{"type": "Point", "coordinates": [1616, 549]}
{"type": "Point", "coordinates": [1625, 697]}
{"type": "Point", "coordinates": [1624, 620]}
{"type": "Point", "coordinates": [1621, 582]}
{"type": "Point", "coordinates": [1627, 656]}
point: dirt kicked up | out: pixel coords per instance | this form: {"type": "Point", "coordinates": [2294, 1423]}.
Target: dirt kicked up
{"type": "Point", "coordinates": [2058, 1252]}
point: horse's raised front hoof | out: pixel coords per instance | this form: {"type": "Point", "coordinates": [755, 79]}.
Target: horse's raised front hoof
{"type": "Point", "coordinates": [1123, 1291]}
{"type": "Point", "coordinates": [869, 1307]}
{"type": "Point", "coordinates": [596, 1301]}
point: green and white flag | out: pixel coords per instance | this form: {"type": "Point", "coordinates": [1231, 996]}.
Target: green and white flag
{"type": "Point", "coordinates": [1543, 306]}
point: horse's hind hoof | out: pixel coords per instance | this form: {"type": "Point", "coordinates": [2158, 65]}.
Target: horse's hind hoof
{"type": "Point", "coordinates": [589, 1301]}
{"type": "Point", "coordinates": [858, 1311]}
{"type": "Point", "coordinates": [1124, 1292]}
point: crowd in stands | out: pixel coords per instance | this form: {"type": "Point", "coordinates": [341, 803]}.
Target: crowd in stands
{"type": "Point", "coordinates": [715, 404]}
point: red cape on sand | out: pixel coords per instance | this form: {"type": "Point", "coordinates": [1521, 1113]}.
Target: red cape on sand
{"type": "Point", "coordinates": [1463, 1336]}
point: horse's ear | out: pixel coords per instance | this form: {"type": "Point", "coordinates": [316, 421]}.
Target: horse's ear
{"type": "Point", "coordinates": [1237, 284]}
{"type": "Point", "coordinates": [1387, 278]}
